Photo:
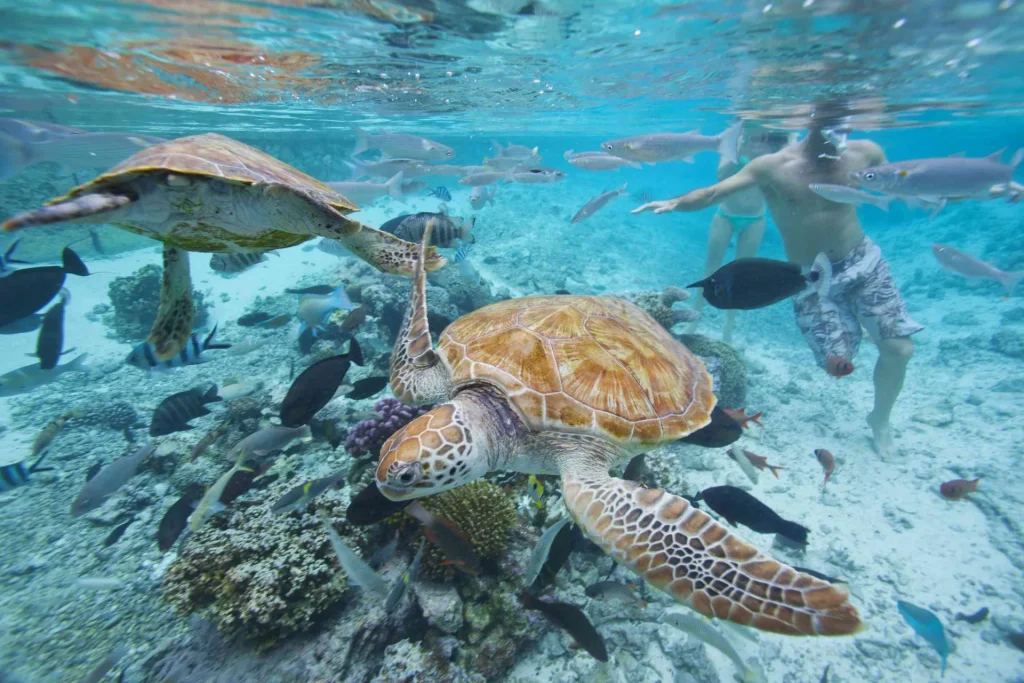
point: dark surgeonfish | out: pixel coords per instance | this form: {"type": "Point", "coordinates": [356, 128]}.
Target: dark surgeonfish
{"type": "Point", "coordinates": [175, 519]}
{"type": "Point", "coordinates": [26, 290]}
{"type": "Point", "coordinates": [370, 506]}
{"type": "Point", "coordinates": [749, 283]}
{"type": "Point", "coordinates": [315, 387]}
{"type": "Point", "coordinates": [573, 621]}
{"type": "Point", "coordinates": [50, 343]}
{"type": "Point", "coordinates": [559, 552]}
{"type": "Point", "coordinates": [720, 432]}
{"type": "Point", "coordinates": [115, 535]}
{"type": "Point", "coordinates": [175, 411]}
{"type": "Point", "coordinates": [367, 387]}
{"type": "Point", "coordinates": [739, 507]}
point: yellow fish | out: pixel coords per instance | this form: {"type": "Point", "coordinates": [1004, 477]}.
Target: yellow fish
{"type": "Point", "coordinates": [536, 490]}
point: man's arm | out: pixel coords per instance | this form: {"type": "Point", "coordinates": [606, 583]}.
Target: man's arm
{"type": "Point", "coordinates": [709, 196]}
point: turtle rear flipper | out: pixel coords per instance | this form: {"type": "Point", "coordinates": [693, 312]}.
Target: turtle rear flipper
{"type": "Point", "coordinates": [173, 325]}
{"type": "Point", "coordinates": [83, 206]}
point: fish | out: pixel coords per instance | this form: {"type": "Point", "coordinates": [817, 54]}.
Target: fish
{"type": "Point", "coordinates": [452, 170]}
{"type": "Point", "coordinates": [598, 161]}
{"type": "Point", "coordinates": [508, 163]}
{"type": "Point", "coordinates": [26, 290]}
{"type": "Point", "coordinates": [115, 535]}
{"type": "Point", "coordinates": [93, 470]}
{"type": "Point", "coordinates": [959, 262]}
{"type": "Point", "coordinates": [370, 506]}
{"type": "Point", "coordinates": [541, 550]}
{"type": "Point", "coordinates": [928, 626]}
{"type": "Point", "coordinates": [414, 186]}
{"type": "Point", "coordinates": [385, 168]}
{"type": "Point", "coordinates": [441, 193]}
{"type": "Point", "coordinates": [750, 283]}
{"type": "Point", "coordinates": [708, 634]}
{"type": "Point", "coordinates": [50, 343]}
{"type": "Point", "coordinates": [349, 325]}
{"type": "Point", "coordinates": [480, 196]}
{"type": "Point", "coordinates": [236, 263]}
{"type": "Point", "coordinates": [278, 321]}
{"type": "Point", "coordinates": [7, 258]}
{"type": "Point", "coordinates": [109, 480]}
{"type": "Point", "coordinates": [658, 147]}
{"type": "Point", "coordinates": [105, 665]}
{"type": "Point", "coordinates": [401, 146]}
{"type": "Point", "coordinates": [536, 490]}
{"type": "Point", "coordinates": [210, 503]}
{"type": "Point", "coordinates": [957, 489]}
{"type": "Point", "coordinates": [720, 432]}
{"type": "Point", "coordinates": [208, 440]}
{"type": "Point", "coordinates": [17, 474]}
{"type": "Point", "coordinates": [29, 323]}
{"type": "Point", "coordinates": [398, 590]}
{"type": "Point", "coordinates": [313, 389]}
{"type": "Point", "coordinates": [442, 533]}
{"type": "Point", "coordinates": [739, 507]}
{"type": "Point", "coordinates": [828, 463]}
{"type": "Point", "coordinates": [761, 462]}
{"type": "Point", "coordinates": [513, 151]}
{"type": "Point", "coordinates": [367, 387]}
{"type": "Point", "coordinates": [614, 590]}
{"type": "Point", "coordinates": [383, 555]}
{"type": "Point", "coordinates": [484, 178]}
{"type": "Point", "coordinates": [597, 203]}
{"type": "Point", "coordinates": [175, 520]}
{"type": "Point", "coordinates": [939, 179]}
{"type": "Point", "coordinates": [97, 243]}
{"type": "Point", "coordinates": [536, 175]}
{"type": "Point", "coordinates": [736, 455]}
{"type": "Point", "coordinates": [636, 468]}
{"type": "Point", "coordinates": [246, 346]}
{"type": "Point", "coordinates": [1017, 640]}
{"type": "Point", "coordinates": [365, 192]}
{"type": "Point", "coordinates": [561, 547]}
{"type": "Point", "coordinates": [30, 377]}
{"type": "Point", "coordinates": [447, 229]}
{"type": "Point", "coordinates": [174, 412]}
{"type": "Point", "coordinates": [268, 440]}
{"type": "Point", "coordinates": [314, 308]}
{"type": "Point", "coordinates": [314, 289]}
{"type": "Point", "coordinates": [741, 417]}
{"type": "Point", "coordinates": [255, 318]}
{"type": "Point", "coordinates": [143, 356]}
{"type": "Point", "coordinates": [46, 435]}
{"type": "Point", "coordinates": [333, 247]}
{"type": "Point", "coordinates": [845, 194]}
{"type": "Point", "coordinates": [837, 366]}
{"type": "Point", "coordinates": [356, 570]}
{"type": "Point", "coordinates": [819, 575]}
{"type": "Point", "coordinates": [99, 583]}
{"type": "Point", "coordinates": [975, 618]}
{"type": "Point", "coordinates": [235, 389]}
{"type": "Point", "coordinates": [299, 496]}
{"type": "Point", "coordinates": [573, 621]}
{"type": "Point", "coordinates": [462, 253]}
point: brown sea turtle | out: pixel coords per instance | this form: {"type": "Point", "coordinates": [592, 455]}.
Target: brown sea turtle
{"type": "Point", "coordinates": [213, 194]}
{"type": "Point", "coordinates": [574, 386]}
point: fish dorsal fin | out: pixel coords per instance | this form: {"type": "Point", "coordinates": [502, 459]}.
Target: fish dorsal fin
{"type": "Point", "coordinates": [996, 156]}
{"type": "Point", "coordinates": [443, 209]}
{"type": "Point", "coordinates": [695, 131]}
{"type": "Point", "coordinates": [958, 154]}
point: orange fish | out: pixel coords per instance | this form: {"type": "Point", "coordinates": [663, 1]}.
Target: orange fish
{"type": "Point", "coordinates": [760, 462]}
{"type": "Point", "coordinates": [828, 463]}
{"type": "Point", "coordinates": [837, 366]}
{"type": "Point", "coordinates": [957, 489]}
{"type": "Point", "coordinates": [742, 418]}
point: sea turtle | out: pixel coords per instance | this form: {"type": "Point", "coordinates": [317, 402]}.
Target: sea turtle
{"type": "Point", "coordinates": [574, 386]}
{"type": "Point", "coordinates": [213, 194]}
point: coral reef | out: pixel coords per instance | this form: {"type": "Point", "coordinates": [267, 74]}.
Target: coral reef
{"type": "Point", "coordinates": [408, 662]}
{"type": "Point", "coordinates": [369, 435]}
{"type": "Point", "coordinates": [725, 365]}
{"type": "Point", "coordinates": [659, 305]}
{"type": "Point", "coordinates": [135, 299]}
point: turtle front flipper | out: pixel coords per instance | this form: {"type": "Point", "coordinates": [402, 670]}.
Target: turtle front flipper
{"type": "Point", "coordinates": [417, 373]}
{"type": "Point", "coordinates": [83, 206]}
{"type": "Point", "coordinates": [173, 325]}
{"type": "Point", "coordinates": [683, 552]}
{"type": "Point", "coordinates": [387, 253]}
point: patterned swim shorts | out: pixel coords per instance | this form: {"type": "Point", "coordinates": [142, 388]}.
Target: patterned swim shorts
{"type": "Point", "coordinates": [861, 293]}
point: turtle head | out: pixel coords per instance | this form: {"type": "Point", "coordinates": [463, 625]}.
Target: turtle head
{"type": "Point", "coordinates": [437, 451]}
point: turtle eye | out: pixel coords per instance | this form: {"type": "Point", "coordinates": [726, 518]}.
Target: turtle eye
{"type": "Point", "coordinates": [405, 474]}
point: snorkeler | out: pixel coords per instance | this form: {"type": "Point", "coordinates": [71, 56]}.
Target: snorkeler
{"type": "Point", "coordinates": [742, 214]}
{"type": "Point", "coordinates": [862, 291]}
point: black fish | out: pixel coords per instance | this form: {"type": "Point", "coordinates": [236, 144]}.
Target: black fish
{"type": "Point", "coordinates": [29, 323]}
{"type": "Point", "coordinates": [306, 340]}
{"type": "Point", "coordinates": [561, 548]}
{"type": "Point", "coordinates": [366, 387]}
{"type": "Point", "coordinates": [25, 291]}
{"type": "Point", "coordinates": [314, 388]}
{"type": "Point", "coordinates": [235, 263]}
{"type": "Point", "coordinates": [253, 319]}
{"type": "Point", "coordinates": [819, 575]}
{"type": "Point", "coordinates": [94, 236]}
{"type": "Point", "coordinates": [441, 193]}
{"type": "Point", "coordinates": [720, 432]}
{"type": "Point", "coordinates": [562, 291]}
{"type": "Point", "coordinates": [315, 289]}
{"type": "Point", "coordinates": [979, 616]}
{"type": "Point", "coordinates": [1017, 640]}
{"type": "Point", "coordinates": [739, 507]}
{"type": "Point", "coordinates": [824, 676]}
{"type": "Point", "coordinates": [370, 506]}
{"type": "Point", "coordinates": [749, 283]}
{"type": "Point", "coordinates": [243, 481]}
{"type": "Point", "coordinates": [115, 535]}
{"type": "Point", "coordinates": [93, 470]}
{"type": "Point", "coordinates": [175, 519]}
{"type": "Point", "coordinates": [175, 411]}
{"type": "Point", "coordinates": [50, 343]}
{"type": "Point", "coordinates": [410, 228]}
{"type": "Point", "coordinates": [636, 468]}
{"type": "Point", "coordinates": [573, 621]}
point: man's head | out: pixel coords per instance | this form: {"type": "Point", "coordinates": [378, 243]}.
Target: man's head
{"type": "Point", "coordinates": [757, 142]}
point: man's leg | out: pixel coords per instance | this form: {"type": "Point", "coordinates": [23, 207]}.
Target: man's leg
{"type": "Point", "coordinates": [893, 356]}
{"type": "Point", "coordinates": [718, 241]}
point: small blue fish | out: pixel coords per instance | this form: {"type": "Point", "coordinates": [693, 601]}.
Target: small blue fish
{"type": "Point", "coordinates": [6, 259]}
{"type": "Point", "coordinates": [15, 475]}
{"type": "Point", "coordinates": [314, 308]}
{"type": "Point", "coordinates": [461, 254]}
{"type": "Point", "coordinates": [441, 193]}
{"type": "Point", "coordinates": [928, 626]}
{"type": "Point", "coordinates": [144, 357]}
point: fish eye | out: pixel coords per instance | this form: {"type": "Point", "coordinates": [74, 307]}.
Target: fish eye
{"type": "Point", "coordinates": [869, 176]}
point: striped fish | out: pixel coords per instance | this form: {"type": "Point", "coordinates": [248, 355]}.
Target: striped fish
{"type": "Point", "coordinates": [462, 253]}
{"type": "Point", "coordinates": [235, 263]}
{"type": "Point", "coordinates": [13, 476]}
{"type": "Point", "coordinates": [332, 247]}
{"type": "Point", "coordinates": [441, 193]}
{"type": "Point", "coordinates": [447, 229]}
{"type": "Point", "coordinates": [143, 356]}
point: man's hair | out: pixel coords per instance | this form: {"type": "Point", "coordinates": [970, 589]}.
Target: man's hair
{"type": "Point", "coordinates": [828, 112]}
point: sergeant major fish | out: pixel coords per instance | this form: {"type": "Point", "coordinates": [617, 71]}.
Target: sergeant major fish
{"type": "Point", "coordinates": [17, 474]}
{"type": "Point", "coordinates": [658, 147]}
{"type": "Point", "coordinates": [143, 356]}
{"type": "Point", "coordinates": [597, 203]}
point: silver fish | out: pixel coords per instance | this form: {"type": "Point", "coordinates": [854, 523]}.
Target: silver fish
{"type": "Point", "coordinates": [31, 377]}
{"type": "Point", "coordinates": [485, 178]}
{"type": "Point", "coordinates": [299, 496]}
{"type": "Point", "coordinates": [969, 266]}
{"type": "Point", "coordinates": [385, 168]}
{"type": "Point", "coordinates": [597, 203]}
{"type": "Point", "coordinates": [398, 590]}
{"type": "Point", "coordinates": [402, 146]}
{"type": "Point", "coordinates": [357, 571]}
{"type": "Point", "coordinates": [480, 196]}
{"type": "Point", "coordinates": [704, 631]}
{"type": "Point", "coordinates": [365, 192]}
{"type": "Point", "coordinates": [541, 551]}
{"type": "Point", "coordinates": [453, 170]}
{"type": "Point", "coordinates": [210, 503]}
{"type": "Point", "coordinates": [657, 147]}
{"type": "Point", "coordinates": [268, 440]}
{"type": "Point", "coordinates": [534, 175]}
{"type": "Point", "coordinates": [508, 163]}
{"type": "Point", "coordinates": [613, 590]}
{"type": "Point", "coordinates": [514, 151]}
{"type": "Point", "coordinates": [109, 480]}
{"type": "Point", "coordinates": [598, 161]}
{"type": "Point", "coordinates": [844, 194]}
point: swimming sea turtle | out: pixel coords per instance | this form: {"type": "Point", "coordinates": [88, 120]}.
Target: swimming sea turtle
{"type": "Point", "coordinates": [214, 194]}
{"type": "Point", "coordinates": [576, 385]}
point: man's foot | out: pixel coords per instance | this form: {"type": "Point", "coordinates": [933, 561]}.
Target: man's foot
{"type": "Point", "coordinates": [881, 432]}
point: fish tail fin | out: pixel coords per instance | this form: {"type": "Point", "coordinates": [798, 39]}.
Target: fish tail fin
{"type": "Point", "coordinates": [1018, 157]}
{"type": "Point", "coordinates": [34, 467]}
{"type": "Point", "coordinates": [357, 169]}
{"type": "Point", "coordinates": [394, 186]}
{"type": "Point", "coordinates": [633, 164]}
{"type": "Point", "coordinates": [73, 263]}
{"type": "Point", "coordinates": [340, 299]}
{"type": "Point", "coordinates": [621, 189]}
{"type": "Point", "coordinates": [755, 418]}
{"type": "Point", "coordinates": [567, 155]}
{"type": "Point", "coordinates": [466, 231]}
{"type": "Point", "coordinates": [728, 143]}
{"type": "Point", "coordinates": [793, 531]}
{"type": "Point", "coordinates": [828, 475]}
{"type": "Point", "coordinates": [76, 364]}
{"type": "Point", "coordinates": [974, 484]}
{"type": "Point", "coordinates": [362, 140]}
{"type": "Point", "coordinates": [775, 470]}
{"type": "Point", "coordinates": [698, 283]}
{"type": "Point", "coordinates": [821, 275]}
{"type": "Point", "coordinates": [209, 338]}
{"type": "Point", "coordinates": [496, 146]}
{"type": "Point", "coordinates": [883, 202]}
{"type": "Point", "coordinates": [355, 352]}
{"type": "Point", "coordinates": [1011, 280]}
{"type": "Point", "coordinates": [10, 251]}
{"type": "Point", "coordinates": [211, 395]}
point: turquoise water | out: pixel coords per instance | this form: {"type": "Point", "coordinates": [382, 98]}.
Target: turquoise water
{"type": "Point", "coordinates": [258, 596]}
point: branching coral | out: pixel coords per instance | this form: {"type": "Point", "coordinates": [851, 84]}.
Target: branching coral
{"type": "Point", "coordinates": [369, 435]}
